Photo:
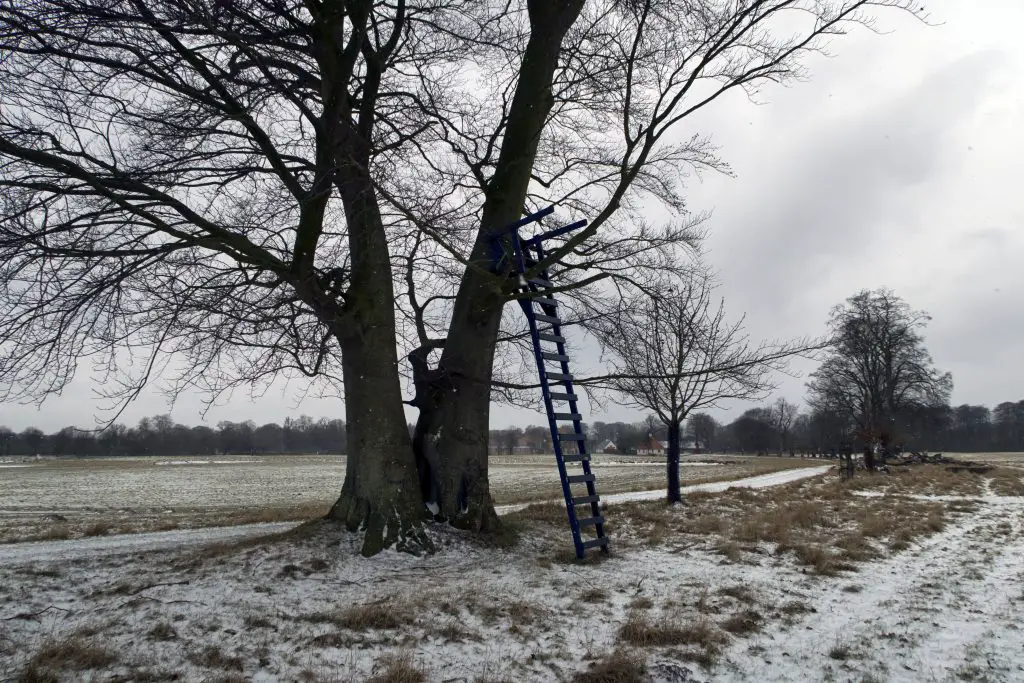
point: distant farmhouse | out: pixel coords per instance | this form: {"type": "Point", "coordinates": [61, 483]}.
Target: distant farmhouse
{"type": "Point", "coordinates": [654, 447]}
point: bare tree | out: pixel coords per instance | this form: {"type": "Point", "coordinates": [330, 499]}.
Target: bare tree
{"type": "Point", "coordinates": [782, 414]}
{"type": "Point", "coordinates": [878, 372]}
{"type": "Point", "coordinates": [675, 351]}
{"type": "Point", "coordinates": [704, 428]}
{"type": "Point", "coordinates": [189, 190]}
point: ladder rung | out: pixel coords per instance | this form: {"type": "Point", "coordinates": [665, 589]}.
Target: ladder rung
{"type": "Point", "coordinates": [557, 396]}
{"type": "Point", "coordinates": [544, 301]}
{"type": "Point", "coordinates": [568, 416]}
{"type": "Point", "coordinates": [576, 457]}
{"type": "Point", "coordinates": [541, 283]}
{"type": "Point", "coordinates": [590, 521]}
{"type": "Point", "coordinates": [547, 336]}
{"type": "Point", "coordinates": [559, 377]}
{"type": "Point", "coordinates": [562, 436]}
{"type": "Point", "coordinates": [595, 543]}
{"type": "Point", "coordinates": [542, 318]}
{"type": "Point", "coordinates": [579, 478]}
{"type": "Point", "coordinates": [551, 355]}
{"type": "Point", "coordinates": [585, 499]}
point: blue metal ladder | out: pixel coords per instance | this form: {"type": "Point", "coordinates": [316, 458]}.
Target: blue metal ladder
{"type": "Point", "coordinates": [541, 311]}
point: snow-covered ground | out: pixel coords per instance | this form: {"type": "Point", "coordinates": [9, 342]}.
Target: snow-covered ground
{"type": "Point", "coordinates": [215, 605]}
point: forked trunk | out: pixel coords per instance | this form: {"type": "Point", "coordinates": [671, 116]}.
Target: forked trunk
{"type": "Point", "coordinates": [452, 433]}
{"type": "Point", "coordinates": [381, 495]}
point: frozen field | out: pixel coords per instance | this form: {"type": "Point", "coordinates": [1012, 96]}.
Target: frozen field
{"type": "Point", "coordinates": [795, 576]}
{"type": "Point", "coordinates": [53, 499]}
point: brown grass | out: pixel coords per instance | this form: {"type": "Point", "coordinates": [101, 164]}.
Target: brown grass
{"type": "Point", "coordinates": [738, 592]}
{"type": "Point", "coordinates": [162, 631]}
{"type": "Point", "coordinates": [594, 595]}
{"type": "Point", "coordinates": [822, 524]}
{"type": "Point", "coordinates": [639, 630]}
{"type": "Point", "coordinates": [398, 668]}
{"type": "Point", "coordinates": [642, 602]}
{"type": "Point", "coordinates": [384, 614]}
{"type": "Point", "coordinates": [618, 667]}
{"type": "Point", "coordinates": [73, 652]}
{"type": "Point", "coordinates": [743, 622]}
{"type": "Point", "coordinates": [1006, 481]}
{"type": "Point", "coordinates": [99, 528]}
{"type": "Point", "coordinates": [213, 657]}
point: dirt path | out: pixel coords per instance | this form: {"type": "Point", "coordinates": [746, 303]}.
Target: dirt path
{"type": "Point", "coordinates": [947, 610]}
{"type": "Point", "coordinates": [48, 551]}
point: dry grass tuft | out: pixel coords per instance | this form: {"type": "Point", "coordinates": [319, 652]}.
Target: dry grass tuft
{"type": "Point", "coordinates": [739, 592]}
{"type": "Point", "coordinates": [639, 630]}
{"type": "Point", "coordinates": [383, 614]}
{"type": "Point", "coordinates": [74, 653]}
{"type": "Point", "coordinates": [618, 667]}
{"type": "Point", "coordinates": [841, 652]}
{"type": "Point", "coordinates": [162, 631]}
{"type": "Point", "coordinates": [399, 668]}
{"type": "Point", "coordinates": [213, 657]}
{"type": "Point", "coordinates": [744, 622]}
{"type": "Point", "coordinates": [642, 602]}
{"type": "Point", "coordinates": [794, 607]}
{"type": "Point", "coordinates": [100, 528]}
{"type": "Point", "coordinates": [594, 595]}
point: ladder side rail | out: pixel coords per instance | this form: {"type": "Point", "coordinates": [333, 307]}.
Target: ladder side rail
{"type": "Point", "coordinates": [527, 307]}
{"type": "Point", "coordinates": [581, 446]}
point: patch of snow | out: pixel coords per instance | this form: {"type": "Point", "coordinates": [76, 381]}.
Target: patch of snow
{"type": "Point", "coordinates": [44, 551]}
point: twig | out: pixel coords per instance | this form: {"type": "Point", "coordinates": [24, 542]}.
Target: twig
{"type": "Point", "coordinates": [27, 615]}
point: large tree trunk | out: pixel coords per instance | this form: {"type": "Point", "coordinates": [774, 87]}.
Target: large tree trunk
{"type": "Point", "coordinates": [381, 494]}
{"type": "Point", "coordinates": [675, 494]}
{"type": "Point", "coordinates": [452, 432]}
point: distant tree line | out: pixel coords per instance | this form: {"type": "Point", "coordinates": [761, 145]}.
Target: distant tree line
{"type": "Point", "coordinates": [964, 428]}
{"type": "Point", "coordinates": [160, 435]}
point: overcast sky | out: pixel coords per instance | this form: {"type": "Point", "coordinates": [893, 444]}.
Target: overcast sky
{"type": "Point", "coordinates": [900, 163]}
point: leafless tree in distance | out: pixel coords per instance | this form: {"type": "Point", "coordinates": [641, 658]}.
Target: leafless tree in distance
{"type": "Point", "coordinates": [674, 351]}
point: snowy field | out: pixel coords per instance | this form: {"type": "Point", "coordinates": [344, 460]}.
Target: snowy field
{"type": "Point", "coordinates": [57, 499]}
{"type": "Point", "coordinates": [796, 576]}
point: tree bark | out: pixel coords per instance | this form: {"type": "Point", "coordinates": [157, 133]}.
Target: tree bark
{"type": "Point", "coordinates": [452, 432]}
{"type": "Point", "coordinates": [381, 493]}
{"type": "Point", "coordinates": [672, 458]}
